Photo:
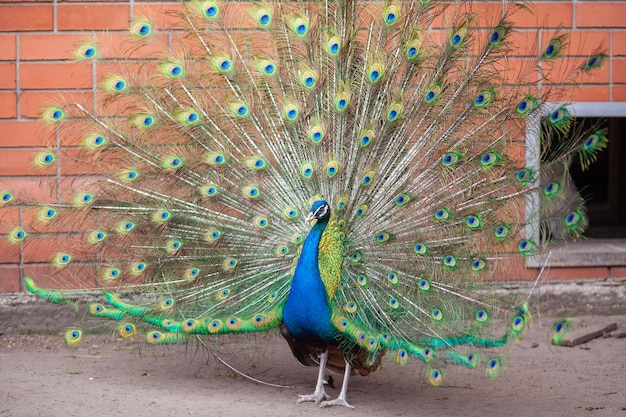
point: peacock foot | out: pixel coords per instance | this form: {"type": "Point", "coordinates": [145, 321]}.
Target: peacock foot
{"type": "Point", "coordinates": [316, 397]}
{"type": "Point", "coordinates": [336, 401]}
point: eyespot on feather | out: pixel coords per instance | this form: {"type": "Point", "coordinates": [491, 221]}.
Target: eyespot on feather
{"type": "Point", "coordinates": [332, 44]}
{"type": "Point", "coordinates": [209, 9]}
{"type": "Point", "coordinates": [127, 331]}
{"type": "Point", "coordinates": [17, 235]}
{"type": "Point", "coordinates": [391, 14]}
{"type": "Point", "coordinates": [262, 16]}
{"type": "Point", "coordinates": [86, 51]}
{"type": "Point", "coordinates": [53, 114]}
{"type": "Point", "coordinates": [73, 338]}
{"type": "Point", "coordinates": [141, 28]}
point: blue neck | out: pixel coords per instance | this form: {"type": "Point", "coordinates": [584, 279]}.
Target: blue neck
{"type": "Point", "coordinates": [306, 313]}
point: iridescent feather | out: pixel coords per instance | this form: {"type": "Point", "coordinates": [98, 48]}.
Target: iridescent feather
{"type": "Point", "coordinates": [399, 142]}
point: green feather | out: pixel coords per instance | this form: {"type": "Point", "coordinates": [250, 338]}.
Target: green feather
{"type": "Point", "coordinates": [207, 153]}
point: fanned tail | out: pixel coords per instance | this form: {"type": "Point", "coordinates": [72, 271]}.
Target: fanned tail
{"type": "Point", "coordinates": [193, 165]}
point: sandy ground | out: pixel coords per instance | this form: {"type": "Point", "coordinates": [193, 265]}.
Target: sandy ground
{"type": "Point", "coordinates": [39, 376]}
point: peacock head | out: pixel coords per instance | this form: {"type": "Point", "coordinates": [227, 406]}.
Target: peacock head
{"type": "Point", "coordinates": [320, 211]}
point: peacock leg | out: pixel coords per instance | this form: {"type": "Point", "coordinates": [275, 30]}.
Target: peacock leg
{"type": "Point", "coordinates": [341, 399]}
{"type": "Point", "coordinates": [319, 394]}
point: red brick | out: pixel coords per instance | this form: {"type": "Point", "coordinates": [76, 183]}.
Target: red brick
{"type": "Point", "coordinates": [73, 163]}
{"type": "Point", "coordinates": [576, 273]}
{"type": "Point", "coordinates": [8, 105]}
{"type": "Point", "coordinates": [158, 14]}
{"type": "Point", "coordinates": [561, 94]}
{"type": "Point", "coordinates": [66, 220]}
{"type": "Point", "coordinates": [525, 43]}
{"type": "Point", "coordinates": [517, 153]}
{"type": "Point", "coordinates": [50, 46]}
{"type": "Point", "coordinates": [70, 186]}
{"type": "Point", "coordinates": [34, 103]}
{"type": "Point", "coordinates": [124, 45]}
{"type": "Point", "coordinates": [541, 15]}
{"type": "Point", "coordinates": [488, 14]}
{"type": "Point", "coordinates": [121, 108]}
{"type": "Point", "coordinates": [9, 251]}
{"type": "Point", "coordinates": [55, 76]}
{"type": "Point", "coordinates": [21, 162]}
{"type": "Point", "coordinates": [9, 278]}
{"type": "Point", "coordinates": [513, 269]}
{"type": "Point", "coordinates": [586, 42]}
{"type": "Point", "coordinates": [25, 17]}
{"type": "Point", "coordinates": [7, 76]}
{"type": "Point", "coordinates": [617, 272]}
{"type": "Point", "coordinates": [32, 224]}
{"type": "Point", "coordinates": [43, 249]}
{"type": "Point", "coordinates": [619, 70]}
{"type": "Point", "coordinates": [597, 76]}
{"type": "Point", "coordinates": [130, 70]}
{"type": "Point", "coordinates": [585, 93]}
{"type": "Point", "coordinates": [93, 17]}
{"type": "Point", "coordinates": [9, 219]}
{"type": "Point", "coordinates": [22, 133]}
{"type": "Point", "coordinates": [30, 189]}
{"type": "Point", "coordinates": [71, 136]}
{"type": "Point", "coordinates": [518, 71]}
{"type": "Point", "coordinates": [567, 72]}
{"type": "Point", "coordinates": [77, 276]}
{"type": "Point", "coordinates": [619, 93]}
{"type": "Point", "coordinates": [7, 48]}
{"type": "Point", "coordinates": [597, 14]}
{"type": "Point", "coordinates": [619, 43]}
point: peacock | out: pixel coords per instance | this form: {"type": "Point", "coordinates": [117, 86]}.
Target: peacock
{"type": "Point", "coordinates": [395, 130]}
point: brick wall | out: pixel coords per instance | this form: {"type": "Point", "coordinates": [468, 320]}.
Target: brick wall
{"type": "Point", "coordinates": [37, 40]}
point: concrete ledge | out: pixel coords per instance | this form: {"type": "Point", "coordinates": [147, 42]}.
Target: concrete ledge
{"type": "Point", "coordinates": [593, 252]}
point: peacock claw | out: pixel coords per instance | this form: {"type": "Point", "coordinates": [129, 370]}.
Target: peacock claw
{"type": "Point", "coordinates": [336, 401]}
{"type": "Point", "coordinates": [316, 397]}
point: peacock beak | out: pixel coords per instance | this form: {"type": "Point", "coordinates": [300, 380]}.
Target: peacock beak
{"type": "Point", "coordinates": [310, 217]}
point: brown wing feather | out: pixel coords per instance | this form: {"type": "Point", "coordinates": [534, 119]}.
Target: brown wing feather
{"type": "Point", "coordinates": [307, 354]}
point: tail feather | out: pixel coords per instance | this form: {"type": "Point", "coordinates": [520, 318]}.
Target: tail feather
{"type": "Point", "coordinates": [210, 142]}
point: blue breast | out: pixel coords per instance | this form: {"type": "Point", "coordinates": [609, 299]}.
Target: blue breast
{"type": "Point", "coordinates": [307, 315]}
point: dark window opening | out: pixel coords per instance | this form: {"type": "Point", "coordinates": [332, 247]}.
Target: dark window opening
{"type": "Point", "coordinates": [603, 184]}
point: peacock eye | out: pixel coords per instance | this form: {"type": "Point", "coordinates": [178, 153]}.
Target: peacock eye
{"type": "Point", "coordinates": [321, 211]}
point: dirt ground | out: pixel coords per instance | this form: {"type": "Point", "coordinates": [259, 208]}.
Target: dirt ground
{"type": "Point", "coordinates": [39, 376]}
